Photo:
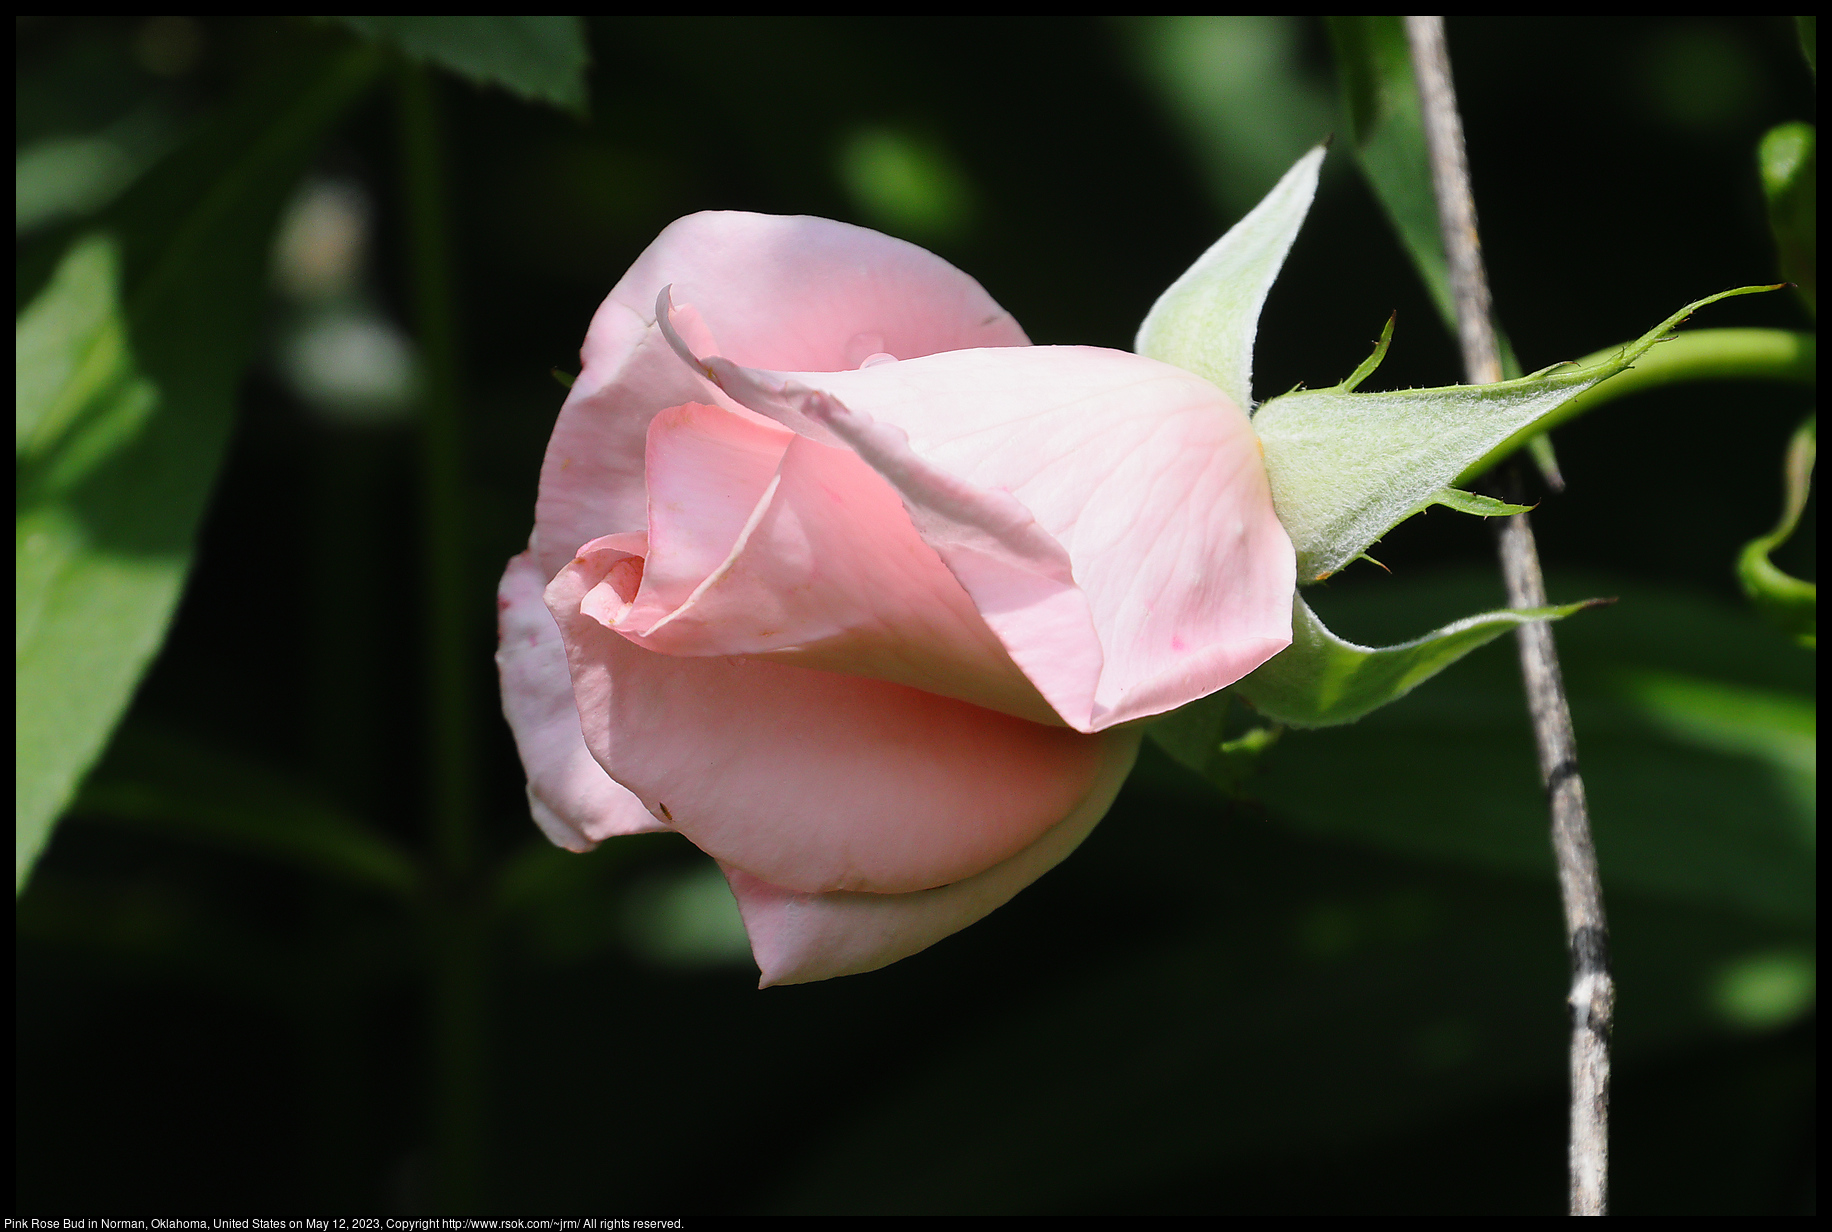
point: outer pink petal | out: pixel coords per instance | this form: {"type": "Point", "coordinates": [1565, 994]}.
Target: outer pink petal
{"type": "Point", "coordinates": [1110, 515]}
{"type": "Point", "coordinates": [798, 938]}
{"type": "Point", "coordinates": [811, 294]}
{"type": "Point", "coordinates": [808, 779]}
{"type": "Point", "coordinates": [778, 545]}
{"type": "Point", "coordinates": [788, 293]}
{"type": "Point", "coordinates": [576, 804]}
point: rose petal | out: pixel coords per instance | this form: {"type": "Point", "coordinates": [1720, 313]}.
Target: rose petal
{"type": "Point", "coordinates": [801, 293]}
{"type": "Point", "coordinates": [1109, 515]}
{"type": "Point", "coordinates": [811, 780]}
{"type": "Point", "coordinates": [798, 938]}
{"type": "Point", "coordinates": [707, 471]}
{"type": "Point", "coordinates": [592, 475]}
{"type": "Point", "coordinates": [811, 294]}
{"type": "Point", "coordinates": [576, 804]}
{"type": "Point", "coordinates": [825, 571]}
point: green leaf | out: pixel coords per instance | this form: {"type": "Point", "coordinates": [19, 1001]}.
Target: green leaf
{"type": "Point", "coordinates": [70, 357]}
{"type": "Point", "coordinates": [1205, 321]}
{"type": "Point", "coordinates": [63, 177]}
{"type": "Point", "coordinates": [1694, 721]}
{"type": "Point", "coordinates": [179, 788]}
{"type": "Point", "coordinates": [1347, 467]}
{"type": "Point", "coordinates": [1808, 30]}
{"type": "Point", "coordinates": [1789, 161]}
{"type": "Point", "coordinates": [540, 59]}
{"type": "Point", "coordinates": [127, 365]}
{"type": "Point", "coordinates": [1321, 680]}
{"type": "Point", "coordinates": [1788, 603]}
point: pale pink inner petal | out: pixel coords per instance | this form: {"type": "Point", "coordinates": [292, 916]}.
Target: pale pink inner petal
{"type": "Point", "coordinates": [708, 469]}
{"type": "Point", "coordinates": [798, 293]}
{"type": "Point", "coordinates": [811, 780]}
{"type": "Point", "coordinates": [832, 575]}
{"type": "Point", "coordinates": [592, 477]}
{"type": "Point", "coordinates": [797, 938]}
{"type": "Point", "coordinates": [576, 804]}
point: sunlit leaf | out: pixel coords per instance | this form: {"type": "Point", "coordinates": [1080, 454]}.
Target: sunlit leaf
{"type": "Point", "coordinates": [127, 363]}
{"type": "Point", "coordinates": [541, 59]}
{"type": "Point", "coordinates": [1789, 603]}
{"type": "Point", "coordinates": [1347, 467]}
{"type": "Point", "coordinates": [1205, 321]}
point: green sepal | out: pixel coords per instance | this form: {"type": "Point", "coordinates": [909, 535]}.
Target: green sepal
{"type": "Point", "coordinates": [1347, 467]}
{"type": "Point", "coordinates": [1205, 321]}
{"type": "Point", "coordinates": [1474, 503]}
{"type": "Point", "coordinates": [1367, 366]}
{"type": "Point", "coordinates": [1321, 680]}
{"type": "Point", "coordinates": [1789, 161]}
{"type": "Point", "coordinates": [1196, 737]}
{"type": "Point", "coordinates": [1788, 603]}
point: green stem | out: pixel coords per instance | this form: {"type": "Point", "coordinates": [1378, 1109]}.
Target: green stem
{"type": "Point", "coordinates": [456, 941]}
{"type": "Point", "coordinates": [1700, 355]}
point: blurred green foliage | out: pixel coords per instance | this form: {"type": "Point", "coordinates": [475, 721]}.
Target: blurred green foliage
{"type": "Point", "coordinates": [1283, 998]}
{"type": "Point", "coordinates": [127, 365]}
{"type": "Point", "coordinates": [541, 59]}
{"type": "Point", "coordinates": [1789, 161]}
{"type": "Point", "coordinates": [1789, 603]}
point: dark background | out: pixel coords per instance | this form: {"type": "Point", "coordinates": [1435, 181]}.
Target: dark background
{"type": "Point", "coordinates": [1214, 1005]}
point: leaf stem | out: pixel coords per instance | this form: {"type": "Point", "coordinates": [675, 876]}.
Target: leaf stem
{"type": "Point", "coordinates": [455, 941]}
{"type": "Point", "coordinates": [1592, 996]}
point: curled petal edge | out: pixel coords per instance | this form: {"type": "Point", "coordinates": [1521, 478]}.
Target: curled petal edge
{"type": "Point", "coordinates": [574, 802]}
{"type": "Point", "coordinates": [1018, 574]}
{"type": "Point", "coordinates": [802, 938]}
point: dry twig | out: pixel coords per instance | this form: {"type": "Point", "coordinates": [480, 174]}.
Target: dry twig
{"type": "Point", "coordinates": [1593, 990]}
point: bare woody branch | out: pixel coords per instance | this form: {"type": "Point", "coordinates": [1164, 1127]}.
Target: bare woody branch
{"type": "Point", "coordinates": [1592, 997]}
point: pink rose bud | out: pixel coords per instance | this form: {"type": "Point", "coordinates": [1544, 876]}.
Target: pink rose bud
{"type": "Point", "coordinates": [838, 576]}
